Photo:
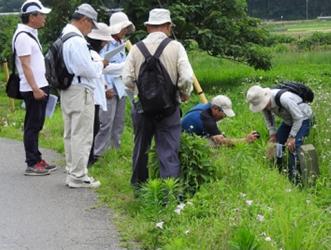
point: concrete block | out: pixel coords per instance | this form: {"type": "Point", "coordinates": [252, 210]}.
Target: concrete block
{"type": "Point", "coordinates": [309, 167]}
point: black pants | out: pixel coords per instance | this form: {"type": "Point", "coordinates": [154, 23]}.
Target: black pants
{"type": "Point", "coordinates": [33, 124]}
{"type": "Point", "coordinates": [96, 128]}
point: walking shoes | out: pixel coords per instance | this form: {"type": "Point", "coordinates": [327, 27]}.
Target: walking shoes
{"type": "Point", "coordinates": [37, 170]}
{"type": "Point", "coordinates": [86, 182]}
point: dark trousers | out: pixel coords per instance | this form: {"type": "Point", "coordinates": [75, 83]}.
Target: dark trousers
{"type": "Point", "coordinates": [282, 135]}
{"type": "Point", "coordinates": [96, 128]}
{"type": "Point", "coordinates": [33, 124]}
{"type": "Point", "coordinates": [167, 138]}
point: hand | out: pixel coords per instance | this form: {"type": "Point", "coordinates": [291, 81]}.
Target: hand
{"type": "Point", "coordinates": [110, 93]}
{"type": "Point", "coordinates": [253, 136]}
{"type": "Point", "coordinates": [183, 97]}
{"type": "Point", "coordinates": [39, 94]}
{"type": "Point", "coordinates": [272, 138]}
{"type": "Point", "coordinates": [105, 63]}
{"type": "Point", "coordinates": [290, 143]}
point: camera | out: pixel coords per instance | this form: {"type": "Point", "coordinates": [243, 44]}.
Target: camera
{"type": "Point", "coordinates": [256, 134]}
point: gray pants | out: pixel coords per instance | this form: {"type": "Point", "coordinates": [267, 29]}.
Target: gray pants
{"type": "Point", "coordinates": [111, 126]}
{"type": "Point", "coordinates": [167, 138]}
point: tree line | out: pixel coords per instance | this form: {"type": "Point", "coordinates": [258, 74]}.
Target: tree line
{"type": "Point", "coordinates": [289, 9]}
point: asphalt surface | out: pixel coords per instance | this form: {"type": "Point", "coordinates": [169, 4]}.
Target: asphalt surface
{"type": "Point", "coordinates": [40, 212]}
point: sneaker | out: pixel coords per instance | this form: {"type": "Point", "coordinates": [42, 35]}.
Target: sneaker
{"type": "Point", "coordinates": [48, 167]}
{"type": "Point", "coordinates": [36, 170]}
{"type": "Point", "coordinates": [88, 182]}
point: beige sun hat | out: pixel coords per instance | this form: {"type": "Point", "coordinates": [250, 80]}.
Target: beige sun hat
{"type": "Point", "coordinates": [258, 98]}
{"type": "Point", "coordinates": [224, 103]}
{"type": "Point", "coordinates": [158, 16]}
{"type": "Point", "coordinates": [31, 6]}
{"type": "Point", "coordinates": [101, 33]}
{"type": "Point", "coordinates": [119, 21]}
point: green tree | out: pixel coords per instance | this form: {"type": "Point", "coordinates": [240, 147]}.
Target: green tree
{"type": "Point", "coordinates": [222, 28]}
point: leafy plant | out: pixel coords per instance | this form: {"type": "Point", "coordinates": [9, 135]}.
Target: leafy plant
{"type": "Point", "coordinates": [244, 239]}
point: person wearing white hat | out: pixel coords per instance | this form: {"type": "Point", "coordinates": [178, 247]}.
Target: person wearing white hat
{"type": "Point", "coordinates": [202, 120]}
{"type": "Point", "coordinates": [77, 102]}
{"type": "Point", "coordinates": [34, 87]}
{"type": "Point", "coordinates": [296, 123]}
{"type": "Point", "coordinates": [112, 120]}
{"type": "Point", "coordinates": [166, 131]}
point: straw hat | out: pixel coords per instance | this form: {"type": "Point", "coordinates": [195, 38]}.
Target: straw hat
{"type": "Point", "coordinates": [101, 33]}
{"type": "Point", "coordinates": [224, 103]}
{"type": "Point", "coordinates": [158, 17]}
{"type": "Point", "coordinates": [258, 98]}
{"type": "Point", "coordinates": [119, 21]}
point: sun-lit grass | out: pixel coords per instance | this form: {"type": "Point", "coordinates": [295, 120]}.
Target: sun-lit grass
{"type": "Point", "coordinates": [251, 205]}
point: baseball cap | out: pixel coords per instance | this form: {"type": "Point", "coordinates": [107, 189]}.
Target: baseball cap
{"type": "Point", "coordinates": [224, 103]}
{"type": "Point", "coordinates": [31, 6]}
{"type": "Point", "coordinates": [87, 10]}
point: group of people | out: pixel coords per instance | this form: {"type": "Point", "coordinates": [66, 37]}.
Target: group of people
{"type": "Point", "coordinates": [93, 107]}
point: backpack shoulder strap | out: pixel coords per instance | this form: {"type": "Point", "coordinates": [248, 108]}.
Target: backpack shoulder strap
{"type": "Point", "coordinates": [278, 95]}
{"type": "Point", "coordinates": [14, 50]}
{"type": "Point", "coordinates": [143, 49]}
{"type": "Point", "coordinates": [161, 47]}
{"type": "Point", "coordinates": [68, 36]}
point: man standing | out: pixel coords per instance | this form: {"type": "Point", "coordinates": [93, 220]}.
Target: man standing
{"type": "Point", "coordinates": [112, 120]}
{"type": "Point", "coordinates": [202, 120]}
{"type": "Point", "coordinates": [33, 84]}
{"type": "Point", "coordinates": [166, 129]}
{"type": "Point", "coordinates": [296, 123]}
{"type": "Point", "coordinates": [77, 102]}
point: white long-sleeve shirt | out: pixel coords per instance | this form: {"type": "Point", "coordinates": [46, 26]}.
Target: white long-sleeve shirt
{"type": "Point", "coordinates": [78, 60]}
{"type": "Point", "coordinates": [293, 112]}
{"type": "Point", "coordinates": [174, 58]}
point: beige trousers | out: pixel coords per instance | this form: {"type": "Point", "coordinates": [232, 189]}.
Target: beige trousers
{"type": "Point", "coordinates": [77, 106]}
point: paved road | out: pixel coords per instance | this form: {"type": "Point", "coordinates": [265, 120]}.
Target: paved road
{"type": "Point", "coordinates": [42, 213]}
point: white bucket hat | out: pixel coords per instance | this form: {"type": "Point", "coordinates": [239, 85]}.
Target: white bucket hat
{"type": "Point", "coordinates": [258, 98]}
{"type": "Point", "coordinates": [224, 103]}
{"type": "Point", "coordinates": [101, 33]}
{"type": "Point", "coordinates": [31, 6]}
{"type": "Point", "coordinates": [119, 21]}
{"type": "Point", "coordinates": [87, 10]}
{"type": "Point", "coordinates": [158, 17]}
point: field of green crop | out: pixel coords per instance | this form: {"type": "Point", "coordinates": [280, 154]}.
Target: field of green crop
{"type": "Point", "coordinates": [248, 205]}
{"type": "Point", "coordinates": [299, 28]}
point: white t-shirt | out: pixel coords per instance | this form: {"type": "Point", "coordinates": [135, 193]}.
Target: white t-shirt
{"type": "Point", "coordinates": [25, 45]}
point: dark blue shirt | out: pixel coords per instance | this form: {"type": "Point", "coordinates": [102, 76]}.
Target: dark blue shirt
{"type": "Point", "coordinates": [199, 121]}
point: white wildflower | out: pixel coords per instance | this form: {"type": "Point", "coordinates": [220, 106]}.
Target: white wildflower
{"type": "Point", "coordinates": [249, 202]}
{"type": "Point", "coordinates": [159, 224]}
{"type": "Point", "coordinates": [178, 211]}
{"type": "Point", "coordinates": [260, 217]}
{"type": "Point", "coordinates": [267, 238]}
{"type": "Point", "coordinates": [242, 195]}
{"type": "Point", "coordinates": [187, 231]}
{"type": "Point", "coordinates": [181, 206]}
{"type": "Point", "coordinates": [263, 234]}
{"type": "Point", "coordinates": [288, 190]}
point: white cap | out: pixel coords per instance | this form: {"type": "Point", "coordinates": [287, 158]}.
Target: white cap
{"type": "Point", "coordinates": [224, 103]}
{"type": "Point", "coordinates": [158, 17]}
{"type": "Point", "coordinates": [258, 98]}
{"type": "Point", "coordinates": [87, 10]}
{"type": "Point", "coordinates": [101, 33]}
{"type": "Point", "coordinates": [31, 6]}
{"type": "Point", "coordinates": [119, 21]}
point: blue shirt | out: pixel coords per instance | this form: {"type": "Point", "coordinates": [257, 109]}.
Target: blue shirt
{"type": "Point", "coordinates": [200, 121]}
{"type": "Point", "coordinates": [115, 81]}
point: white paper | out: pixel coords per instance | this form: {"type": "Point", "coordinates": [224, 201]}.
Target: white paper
{"type": "Point", "coordinates": [51, 104]}
{"type": "Point", "coordinates": [108, 55]}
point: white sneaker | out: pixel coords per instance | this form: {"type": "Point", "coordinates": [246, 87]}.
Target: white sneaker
{"type": "Point", "coordinates": [86, 183]}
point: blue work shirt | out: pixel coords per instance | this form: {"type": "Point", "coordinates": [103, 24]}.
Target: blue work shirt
{"type": "Point", "coordinates": [200, 121]}
{"type": "Point", "coordinates": [115, 81]}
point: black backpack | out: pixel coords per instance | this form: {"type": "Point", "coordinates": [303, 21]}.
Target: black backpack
{"type": "Point", "coordinates": [297, 88]}
{"type": "Point", "coordinates": [56, 71]}
{"type": "Point", "coordinates": [157, 93]}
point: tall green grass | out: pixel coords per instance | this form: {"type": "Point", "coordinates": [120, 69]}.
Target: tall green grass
{"type": "Point", "coordinates": [250, 205]}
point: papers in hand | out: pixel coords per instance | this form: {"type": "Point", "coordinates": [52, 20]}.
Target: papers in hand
{"type": "Point", "coordinates": [108, 55]}
{"type": "Point", "coordinates": [51, 104]}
